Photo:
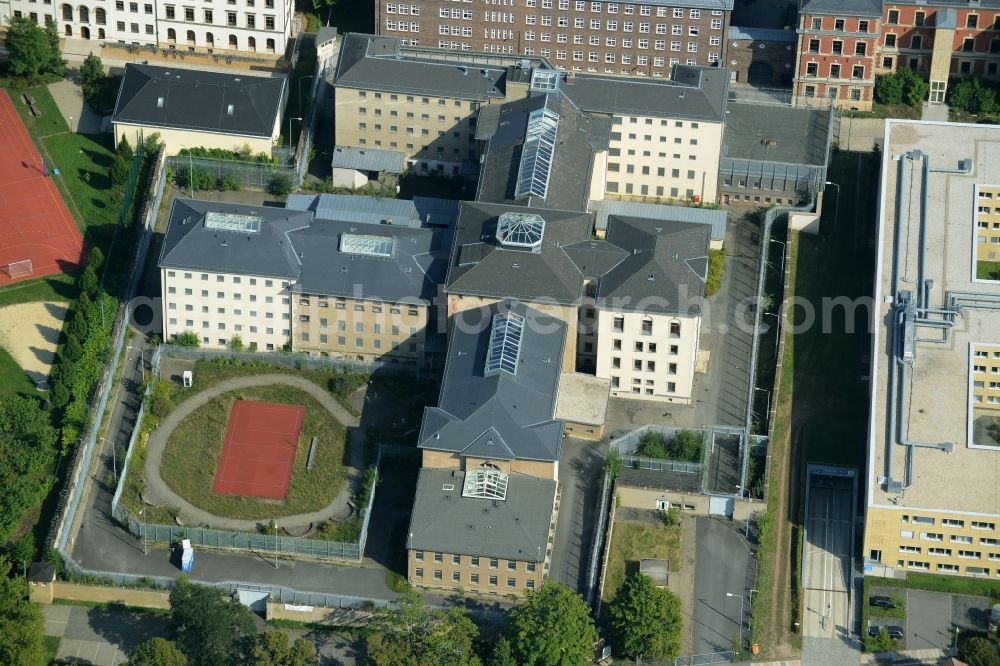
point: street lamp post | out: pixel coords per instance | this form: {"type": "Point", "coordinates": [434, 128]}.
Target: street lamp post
{"type": "Point", "coordinates": [836, 206]}
{"type": "Point", "coordinates": [782, 244]}
{"type": "Point", "coordinates": [730, 594]}
{"type": "Point", "coordinates": [274, 524]}
{"type": "Point", "coordinates": [290, 119]}
{"type": "Point", "coordinates": [142, 523]}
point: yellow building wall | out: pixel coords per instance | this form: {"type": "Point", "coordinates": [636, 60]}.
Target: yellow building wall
{"type": "Point", "coordinates": [174, 139]}
{"type": "Point", "coordinates": [924, 540]}
{"type": "Point", "coordinates": [988, 223]}
{"type": "Point", "coordinates": [487, 577]}
{"type": "Point", "coordinates": [447, 460]}
{"type": "Point", "coordinates": [985, 369]}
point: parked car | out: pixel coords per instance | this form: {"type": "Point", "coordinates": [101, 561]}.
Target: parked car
{"type": "Point", "coordinates": [895, 633]}
{"type": "Point", "coordinates": [881, 602]}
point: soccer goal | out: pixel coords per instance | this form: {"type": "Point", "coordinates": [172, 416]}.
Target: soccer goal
{"type": "Point", "coordinates": [18, 269]}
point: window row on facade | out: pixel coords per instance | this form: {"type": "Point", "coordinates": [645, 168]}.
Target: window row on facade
{"type": "Point", "coordinates": [472, 578]}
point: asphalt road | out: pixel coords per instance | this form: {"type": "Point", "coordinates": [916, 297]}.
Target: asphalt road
{"type": "Point", "coordinates": [579, 470]}
{"type": "Point", "coordinates": [827, 557]}
{"type": "Point", "coordinates": [722, 559]}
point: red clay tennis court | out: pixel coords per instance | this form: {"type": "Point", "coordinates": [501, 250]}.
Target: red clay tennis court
{"type": "Point", "coordinates": [259, 449]}
{"type": "Point", "coordinates": [35, 226]}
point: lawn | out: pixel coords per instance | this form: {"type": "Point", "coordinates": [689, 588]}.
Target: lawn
{"type": "Point", "coordinates": [59, 287]}
{"type": "Point", "coordinates": [193, 450]}
{"type": "Point", "coordinates": [988, 270]}
{"type": "Point", "coordinates": [13, 379]}
{"type": "Point", "coordinates": [52, 644]}
{"type": "Point", "coordinates": [631, 542]}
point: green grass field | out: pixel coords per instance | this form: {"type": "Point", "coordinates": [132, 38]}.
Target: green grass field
{"type": "Point", "coordinates": [193, 450]}
{"type": "Point", "coordinates": [988, 270]}
{"type": "Point", "coordinates": [631, 542]}
{"type": "Point", "coordinates": [13, 379]}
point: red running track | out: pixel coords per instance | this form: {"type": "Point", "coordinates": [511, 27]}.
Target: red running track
{"type": "Point", "coordinates": [34, 222]}
{"type": "Point", "coordinates": [259, 449]}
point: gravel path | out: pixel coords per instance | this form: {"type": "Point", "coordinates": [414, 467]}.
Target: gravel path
{"type": "Point", "coordinates": [30, 333]}
{"type": "Point", "coordinates": [157, 491]}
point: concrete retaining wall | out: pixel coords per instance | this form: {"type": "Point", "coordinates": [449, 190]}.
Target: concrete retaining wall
{"type": "Point", "coordinates": [341, 617]}
{"type": "Point", "coordinates": [99, 594]}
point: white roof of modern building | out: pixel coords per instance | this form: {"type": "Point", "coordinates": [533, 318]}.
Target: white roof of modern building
{"type": "Point", "coordinates": [370, 62]}
{"type": "Point", "coordinates": [237, 104]}
{"type": "Point", "coordinates": [368, 159]}
{"type": "Point", "coordinates": [933, 399]}
{"type": "Point", "coordinates": [583, 398]}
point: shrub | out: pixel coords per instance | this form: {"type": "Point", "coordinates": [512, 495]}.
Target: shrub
{"type": "Point", "coordinates": [187, 339]}
{"type": "Point", "coordinates": [716, 267]}
{"type": "Point", "coordinates": [971, 96]}
{"type": "Point", "coordinates": [902, 87]}
{"type": "Point", "coordinates": [232, 183]}
{"type": "Point", "coordinates": [280, 186]}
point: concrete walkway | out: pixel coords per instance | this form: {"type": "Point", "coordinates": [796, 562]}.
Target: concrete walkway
{"type": "Point", "coordinates": [68, 96]}
{"type": "Point", "coordinates": [157, 491]}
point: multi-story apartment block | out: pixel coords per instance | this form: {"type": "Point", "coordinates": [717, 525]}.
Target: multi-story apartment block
{"type": "Point", "coordinates": [350, 281]}
{"type": "Point", "coordinates": [649, 307]}
{"type": "Point", "coordinates": [634, 39]}
{"type": "Point", "coordinates": [483, 516]}
{"type": "Point", "coordinates": [419, 102]}
{"type": "Point", "coordinates": [837, 53]}
{"type": "Point", "coordinates": [844, 45]}
{"type": "Point", "coordinates": [247, 26]}
{"type": "Point", "coordinates": [932, 499]}
{"type": "Point", "coordinates": [195, 108]}
{"type": "Point", "coordinates": [988, 232]}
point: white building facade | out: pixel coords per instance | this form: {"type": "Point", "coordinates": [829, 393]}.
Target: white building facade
{"type": "Point", "coordinates": [244, 26]}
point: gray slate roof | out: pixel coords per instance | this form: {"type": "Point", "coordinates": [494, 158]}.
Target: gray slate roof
{"type": "Point", "coordinates": [363, 209]}
{"type": "Point", "coordinates": [368, 159]}
{"type": "Point", "coordinates": [578, 136]}
{"type": "Point", "coordinates": [716, 219]}
{"type": "Point", "coordinates": [480, 266]}
{"type": "Point", "coordinates": [664, 270]}
{"type": "Point", "coordinates": [380, 63]}
{"type": "Point", "coordinates": [790, 135]}
{"type": "Point", "coordinates": [843, 7]}
{"type": "Point", "coordinates": [498, 416]}
{"type": "Point", "coordinates": [694, 93]}
{"type": "Point", "coordinates": [306, 251]}
{"type": "Point", "coordinates": [516, 528]}
{"type": "Point", "coordinates": [199, 100]}
{"type": "Point", "coordinates": [188, 245]}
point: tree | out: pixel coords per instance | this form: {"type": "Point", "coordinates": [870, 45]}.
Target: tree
{"type": "Point", "coordinates": [236, 343]}
{"type": "Point", "coordinates": [915, 88]}
{"type": "Point", "coordinates": [91, 75]}
{"type": "Point", "coordinates": [411, 635]}
{"type": "Point", "coordinates": [210, 627]}
{"type": "Point", "coordinates": [95, 259]}
{"type": "Point", "coordinates": [157, 652]}
{"type": "Point", "coordinates": [21, 622]}
{"type": "Point", "coordinates": [652, 445]}
{"type": "Point", "coordinates": [889, 89]}
{"type": "Point", "coordinates": [125, 149]}
{"type": "Point", "coordinates": [89, 282]}
{"type": "Point", "coordinates": [553, 627]}
{"type": "Point", "coordinates": [77, 326]}
{"type": "Point", "coordinates": [30, 48]}
{"type": "Point", "coordinates": [716, 267]}
{"type": "Point", "coordinates": [502, 654]}
{"type": "Point", "coordinates": [902, 87]}
{"type": "Point", "coordinates": [971, 96]}
{"type": "Point", "coordinates": [272, 649]}
{"type": "Point", "coordinates": [645, 620]}
{"type": "Point", "coordinates": [686, 445]}
{"type": "Point", "coordinates": [613, 464]}
{"type": "Point", "coordinates": [55, 66]}
{"type": "Point", "coordinates": [27, 449]}
{"type": "Point", "coordinates": [187, 339]}
{"type": "Point", "coordinates": [72, 349]}
{"type": "Point", "coordinates": [978, 651]}
{"type": "Point", "coordinates": [280, 186]}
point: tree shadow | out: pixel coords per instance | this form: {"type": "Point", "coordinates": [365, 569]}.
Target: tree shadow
{"type": "Point", "coordinates": [126, 628]}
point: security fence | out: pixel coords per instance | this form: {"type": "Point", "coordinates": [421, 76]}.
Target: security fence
{"type": "Point", "coordinates": [206, 173]}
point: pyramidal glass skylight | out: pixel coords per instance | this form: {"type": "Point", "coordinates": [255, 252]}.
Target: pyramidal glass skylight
{"type": "Point", "coordinates": [485, 483]}
{"type": "Point", "coordinates": [523, 230]}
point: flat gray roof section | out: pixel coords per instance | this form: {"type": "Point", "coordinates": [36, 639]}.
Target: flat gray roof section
{"type": "Point", "coordinates": [361, 209]}
{"type": "Point", "coordinates": [380, 63]}
{"type": "Point", "coordinates": [193, 99]}
{"type": "Point", "coordinates": [938, 383]}
{"type": "Point", "coordinates": [368, 159]}
{"type": "Point", "coordinates": [578, 137]}
{"type": "Point", "coordinates": [583, 398]}
{"type": "Point", "coordinates": [693, 93]}
{"type": "Point", "coordinates": [779, 134]}
{"type": "Point", "coordinates": [716, 219]}
{"type": "Point", "coordinates": [480, 266]}
{"type": "Point", "coordinates": [189, 245]}
{"type": "Point", "coordinates": [843, 7]}
{"type": "Point", "coordinates": [499, 416]}
{"type": "Point", "coordinates": [516, 528]}
{"type": "Point", "coordinates": [684, 482]}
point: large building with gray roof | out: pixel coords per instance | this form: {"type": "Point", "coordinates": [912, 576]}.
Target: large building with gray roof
{"type": "Point", "coordinates": [490, 452]}
{"type": "Point", "coordinates": [328, 275]}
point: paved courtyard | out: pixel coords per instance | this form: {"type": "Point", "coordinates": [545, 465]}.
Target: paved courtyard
{"type": "Point", "coordinates": [99, 636]}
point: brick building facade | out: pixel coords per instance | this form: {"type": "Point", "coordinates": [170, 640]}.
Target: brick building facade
{"type": "Point", "coordinates": [637, 38]}
{"type": "Point", "coordinates": [844, 45]}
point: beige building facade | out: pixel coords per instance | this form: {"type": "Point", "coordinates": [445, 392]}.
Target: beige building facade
{"type": "Point", "coordinates": [359, 329]}
{"type": "Point", "coordinates": [218, 307]}
{"type": "Point", "coordinates": [987, 229]}
{"type": "Point", "coordinates": [542, 469]}
{"type": "Point", "coordinates": [455, 571]}
{"type": "Point", "coordinates": [175, 139]}
{"type": "Point", "coordinates": [646, 355]}
{"type": "Point", "coordinates": [985, 376]}
{"type": "Point", "coordinates": [656, 158]}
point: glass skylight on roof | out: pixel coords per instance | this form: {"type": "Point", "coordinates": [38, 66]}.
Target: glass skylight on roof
{"type": "Point", "coordinates": [521, 230]}
{"type": "Point", "coordinates": [244, 224]}
{"type": "Point", "coordinates": [485, 483]}
{"type": "Point", "coordinates": [536, 154]}
{"type": "Point", "coordinates": [544, 80]}
{"type": "Point", "coordinates": [373, 246]}
{"type": "Point", "coordinates": [505, 343]}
